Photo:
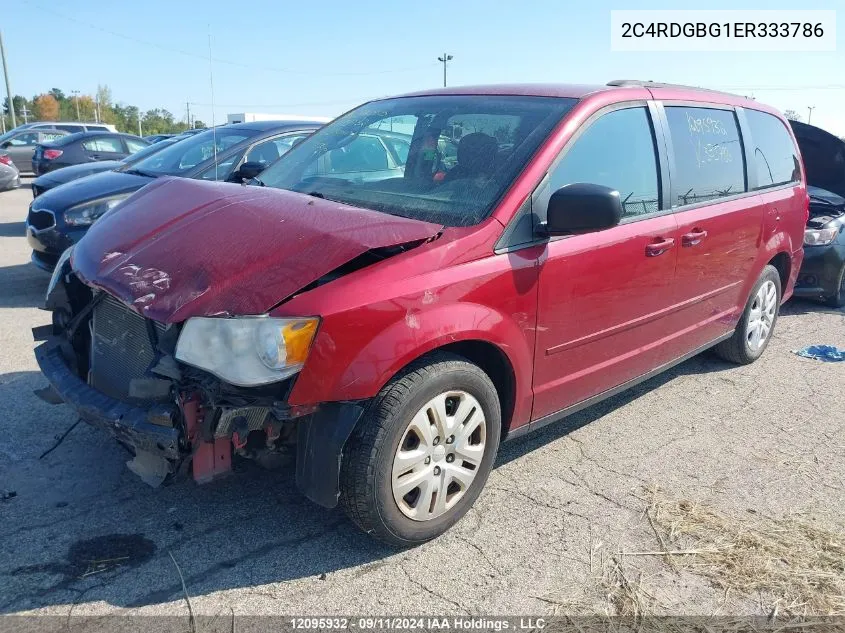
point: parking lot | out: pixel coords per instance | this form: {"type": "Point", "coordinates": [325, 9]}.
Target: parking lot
{"type": "Point", "coordinates": [564, 524]}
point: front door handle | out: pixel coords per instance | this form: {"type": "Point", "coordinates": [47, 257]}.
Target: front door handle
{"type": "Point", "coordinates": [693, 237]}
{"type": "Point", "coordinates": [659, 247]}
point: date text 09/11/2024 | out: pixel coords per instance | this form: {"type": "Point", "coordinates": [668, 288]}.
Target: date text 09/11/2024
{"type": "Point", "coordinates": [422, 623]}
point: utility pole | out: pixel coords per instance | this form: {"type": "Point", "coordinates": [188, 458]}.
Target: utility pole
{"type": "Point", "coordinates": [188, 106]}
{"type": "Point", "coordinates": [810, 116]}
{"type": "Point", "coordinates": [25, 114]}
{"type": "Point", "coordinates": [8, 88]}
{"type": "Point", "coordinates": [444, 59]}
{"type": "Point", "coordinates": [139, 123]}
{"type": "Point", "coordinates": [75, 94]}
{"type": "Point", "coordinates": [97, 111]}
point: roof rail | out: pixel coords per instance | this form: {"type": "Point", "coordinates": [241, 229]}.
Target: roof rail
{"type": "Point", "coordinates": [657, 84]}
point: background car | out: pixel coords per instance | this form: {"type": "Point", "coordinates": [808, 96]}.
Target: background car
{"type": "Point", "coordinates": [10, 177]}
{"type": "Point", "coordinates": [822, 274]}
{"type": "Point", "coordinates": [21, 144]}
{"type": "Point", "coordinates": [61, 216]}
{"type": "Point", "coordinates": [70, 127]}
{"type": "Point", "coordinates": [66, 174]}
{"type": "Point", "coordinates": [84, 147]}
{"type": "Point", "coordinates": [155, 138]}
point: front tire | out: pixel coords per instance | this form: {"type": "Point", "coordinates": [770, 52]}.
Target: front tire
{"type": "Point", "coordinates": [422, 452]}
{"type": "Point", "coordinates": [755, 327]}
{"type": "Point", "coordinates": [838, 300]}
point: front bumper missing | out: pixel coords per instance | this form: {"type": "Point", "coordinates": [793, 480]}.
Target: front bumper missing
{"type": "Point", "coordinates": [128, 424]}
{"type": "Point", "coordinates": [321, 436]}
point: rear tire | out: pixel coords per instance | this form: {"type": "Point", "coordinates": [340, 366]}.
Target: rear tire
{"type": "Point", "coordinates": [401, 480]}
{"type": "Point", "coordinates": [838, 300]}
{"type": "Point", "coordinates": [755, 327]}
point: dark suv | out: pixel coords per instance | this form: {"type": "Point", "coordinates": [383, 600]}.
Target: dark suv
{"type": "Point", "coordinates": [393, 329]}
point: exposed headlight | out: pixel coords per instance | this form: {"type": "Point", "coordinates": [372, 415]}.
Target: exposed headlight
{"type": "Point", "coordinates": [247, 351]}
{"type": "Point", "coordinates": [85, 213]}
{"type": "Point", "coordinates": [57, 271]}
{"type": "Point", "coordinates": [819, 237]}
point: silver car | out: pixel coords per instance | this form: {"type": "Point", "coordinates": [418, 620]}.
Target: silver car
{"type": "Point", "coordinates": [20, 144]}
{"type": "Point", "coordinates": [10, 177]}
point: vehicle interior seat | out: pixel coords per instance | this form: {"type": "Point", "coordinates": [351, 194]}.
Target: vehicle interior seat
{"type": "Point", "coordinates": [476, 156]}
{"type": "Point", "coordinates": [266, 154]}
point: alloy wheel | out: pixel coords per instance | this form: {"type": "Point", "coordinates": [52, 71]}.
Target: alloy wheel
{"type": "Point", "coordinates": [761, 318]}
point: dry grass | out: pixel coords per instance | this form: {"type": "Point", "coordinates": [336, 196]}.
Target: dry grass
{"type": "Point", "coordinates": [796, 567]}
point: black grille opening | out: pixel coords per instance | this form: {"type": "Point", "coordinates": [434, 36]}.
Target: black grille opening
{"type": "Point", "coordinates": [41, 219]}
{"type": "Point", "coordinates": [121, 349]}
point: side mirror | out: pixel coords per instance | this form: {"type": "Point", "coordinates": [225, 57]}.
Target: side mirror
{"type": "Point", "coordinates": [582, 208]}
{"type": "Point", "coordinates": [5, 144]}
{"type": "Point", "coordinates": [250, 169]}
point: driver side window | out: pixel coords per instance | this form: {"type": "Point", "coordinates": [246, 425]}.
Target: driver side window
{"type": "Point", "coordinates": [223, 169]}
{"type": "Point", "coordinates": [617, 150]}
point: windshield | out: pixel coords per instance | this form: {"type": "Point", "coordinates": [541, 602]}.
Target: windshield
{"type": "Point", "coordinates": [181, 157]}
{"type": "Point", "coordinates": [149, 150]}
{"type": "Point", "coordinates": [440, 158]}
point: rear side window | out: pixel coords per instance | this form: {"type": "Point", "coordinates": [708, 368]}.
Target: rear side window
{"type": "Point", "coordinates": [103, 145]}
{"type": "Point", "coordinates": [709, 162]}
{"type": "Point", "coordinates": [97, 128]}
{"type": "Point", "coordinates": [135, 146]}
{"type": "Point", "coordinates": [69, 128]}
{"type": "Point", "coordinates": [616, 151]}
{"type": "Point", "coordinates": [775, 157]}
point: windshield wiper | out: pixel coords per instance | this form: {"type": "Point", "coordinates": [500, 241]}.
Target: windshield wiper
{"type": "Point", "coordinates": [316, 194]}
{"type": "Point", "coordinates": [141, 172]}
{"type": "Point", "coordinates": [820, 199]}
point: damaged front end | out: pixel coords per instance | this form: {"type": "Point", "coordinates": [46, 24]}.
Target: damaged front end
{"type": "Point", "coordinates": [119, 371]}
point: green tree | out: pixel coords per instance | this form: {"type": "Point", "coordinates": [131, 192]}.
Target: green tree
{"type": "Point", "coordinates": [792, 115]}
{"type": "Point", "coordinates": [199, 125]}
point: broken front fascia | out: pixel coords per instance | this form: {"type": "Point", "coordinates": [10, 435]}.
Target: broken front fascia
{"type": "Point", "coordinates": [172, 411]}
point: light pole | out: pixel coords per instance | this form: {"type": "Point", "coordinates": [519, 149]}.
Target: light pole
{"type": "Point", "coordinates": [810, 115]}
{"type": "Point", "coordinates": [444, 59]}
{"type": "Point", "coordinates": [75, 94]}
{"type": "Point", "coordinates": [8, 89]}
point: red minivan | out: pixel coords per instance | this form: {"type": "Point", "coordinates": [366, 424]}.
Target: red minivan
{"type": "Point", "coordinates": [423, 278]}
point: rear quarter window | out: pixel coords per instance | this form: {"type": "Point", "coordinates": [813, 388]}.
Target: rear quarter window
{"type": "Point", "coordinates": [775, 157]}
{"type": "Point", "coordinates": [709, 161]}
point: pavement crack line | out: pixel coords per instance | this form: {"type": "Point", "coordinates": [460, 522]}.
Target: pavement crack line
{"type": "Point", "coordinates": [430, 591]}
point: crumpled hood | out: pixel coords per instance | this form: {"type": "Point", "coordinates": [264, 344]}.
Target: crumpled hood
{"type": "Point", "coordinates": [181, 248]}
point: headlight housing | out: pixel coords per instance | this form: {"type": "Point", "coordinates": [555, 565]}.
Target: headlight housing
{"type": "Point", "coordinates": [86, 213]}
{"type": "Point", "coordinates": [247, 351]}
{"type": "Point", "coordinates": [820, 237]}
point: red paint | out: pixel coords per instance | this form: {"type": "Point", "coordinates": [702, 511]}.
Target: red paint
{"type": "Point", "coordinates": [238, 237]}
{"type": "Point", "coordinates": [574, 317]}
{"type": "Point", "coordinates": [210, 460]}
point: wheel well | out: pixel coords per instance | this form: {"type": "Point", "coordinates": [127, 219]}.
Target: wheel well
{"type": "Point", "coordinates": [782, 262]}
{"type": "Point", "coordinates": [496, 365]}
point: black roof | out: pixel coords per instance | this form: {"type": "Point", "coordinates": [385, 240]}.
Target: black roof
{"type": "Point", "coordinates": [79, 136]}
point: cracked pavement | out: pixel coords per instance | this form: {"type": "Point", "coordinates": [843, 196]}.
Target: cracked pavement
{"type": "Point", "coordinates": [767, 438]}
